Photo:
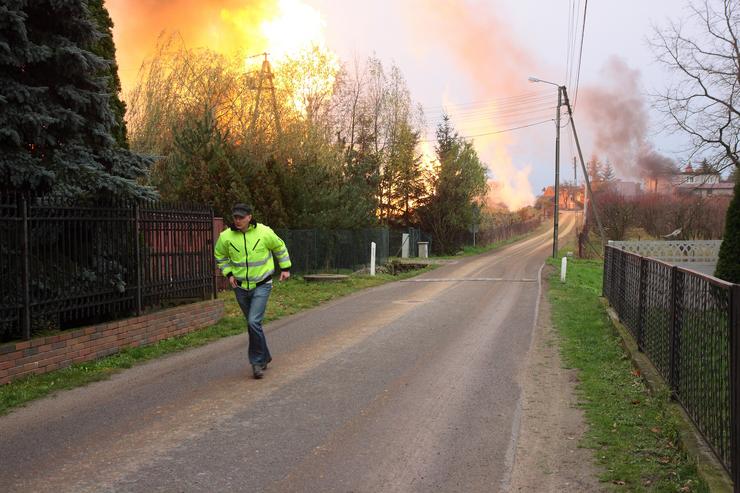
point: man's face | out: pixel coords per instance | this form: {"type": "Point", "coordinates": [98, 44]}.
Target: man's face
{"type": "Point", "coordinates": [242, 222]}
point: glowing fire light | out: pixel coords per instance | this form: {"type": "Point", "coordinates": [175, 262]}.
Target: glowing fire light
{"type": "Point", "coordinates": [297, 28]}
{"type": "Point", "coordinates": [288, 31]}
{"type": "Point", "coordinates": [294, 32]}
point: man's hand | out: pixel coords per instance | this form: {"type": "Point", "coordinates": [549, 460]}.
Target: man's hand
{"type": "Point", "coordinates": [232, 281]}
{"type": "Point", "coordinates": [284, 275]}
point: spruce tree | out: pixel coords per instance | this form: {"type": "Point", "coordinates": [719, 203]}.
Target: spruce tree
{"type": "Point", "coordinates": [56, 122]}
{"type": "Point", "coordinates": [459, 179]}
{"type": "Point", "coordinates": [728, 263]}
{"type": "Point", "coordinates": [607, 173]}
{"type": "Point", "coordinates": [106, 49]}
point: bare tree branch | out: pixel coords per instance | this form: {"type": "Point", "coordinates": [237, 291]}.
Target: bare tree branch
{"type": "Point", "coordinates": [703, 99]}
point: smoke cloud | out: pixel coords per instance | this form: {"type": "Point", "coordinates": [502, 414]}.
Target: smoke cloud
{"type": "Point", "coordinates": [495, 64]}
{"type": "Point", "coordinates": [617, 115]}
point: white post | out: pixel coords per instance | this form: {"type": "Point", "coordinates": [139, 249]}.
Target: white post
{"type": "Point", "coordinates": [405, 245]}
{"type": "Point", "coordinates": [563, 268]}
{"type": "Point", "coordinates": [372, 258]}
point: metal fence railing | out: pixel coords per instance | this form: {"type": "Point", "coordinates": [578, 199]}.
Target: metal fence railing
{"type": "Point", "coordinates": [688, 324]}
{"type": "Point", "coordinates": [65, 264]}
{"type": "Point", "coordinates": [320, 250]}
{"type": "Point", "coordinates": [313, 250]}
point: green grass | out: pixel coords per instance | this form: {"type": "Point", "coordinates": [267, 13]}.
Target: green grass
{"type": "Point", "coordinates": [286, 299]}
{"type": "Point", "coordinates": [634, 434]}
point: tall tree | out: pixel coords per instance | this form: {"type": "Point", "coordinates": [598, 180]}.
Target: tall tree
{"type": "Point", "coordinates": [458, 181]}
{"type": "Point", "coordinates": [595, 169]}
{"type": "Point", "coordinates": [704, 102]}
{"type": "Point", "coordinates": [408, 187]}
{"type": "Point", "coordinates": [607, 173]}
{"type": "Point", "coordinates": [201, 167]}
{"type": "Point", "coordinates": [56, 122]}
{"type": "Point", "coordinates": [106, 49]}
{"type": "Point", "coordinates": [728, 262]}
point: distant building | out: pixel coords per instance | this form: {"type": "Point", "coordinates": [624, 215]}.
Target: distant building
{"type": "Point", "coordinates": [702, 181]}
{"type": "Point", "coordinates": [626, 188]}
{"type": "Point", "coordinates": [659, 184]}
{"type": "Point", "coordinates": [714, 189]}
{"type": "Point", "coordinates": [571, 198]}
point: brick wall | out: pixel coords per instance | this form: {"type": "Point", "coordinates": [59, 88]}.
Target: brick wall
{"type": "Point", "coordinates": [45, 354]}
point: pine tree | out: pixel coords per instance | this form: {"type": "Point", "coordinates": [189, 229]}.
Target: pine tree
{"type": "Point", "coordinates": [408, 187]}
{"type": "Point", "coordinates": [594, 169]}
{"type": "Point", "coordinates": [728, 262]}
{"type": "Point", "coordinates": [56, 122]}
{"type": "Point", "coordinates": [607, 172]}
{"type": "Point", "coordinates": [458, 180]}
{"type": "Point", "coordinates": [106, 49]}
{"type": "Point", "coordinates": [201, 166]}
{"type": "Point", "coordinates": [734, 175]}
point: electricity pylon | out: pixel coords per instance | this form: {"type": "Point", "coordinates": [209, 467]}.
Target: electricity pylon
{"type": "Point", "coordinates": [265, 80]}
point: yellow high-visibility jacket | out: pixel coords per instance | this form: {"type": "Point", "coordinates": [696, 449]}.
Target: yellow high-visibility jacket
{"type": "Point", "coordinates": [248, 256]}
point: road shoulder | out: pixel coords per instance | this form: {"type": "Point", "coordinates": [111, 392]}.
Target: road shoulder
{"type": "Point", "coordinates": [548, 456]}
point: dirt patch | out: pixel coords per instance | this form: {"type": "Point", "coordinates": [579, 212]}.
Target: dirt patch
{"type": "Point", "coordinates": [548, 457]}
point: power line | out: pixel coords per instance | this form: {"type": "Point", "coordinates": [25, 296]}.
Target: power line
{"type": "Point", "coordinates": [495, 112]}
{"type": "Point", "coordinates": [495, 101]}
{"type": "Point", "coordinates": [497, 131]}
{"type": "Point", "coordinates": [580, 56]}
{"type": "Point", "coordinates": [495, 115]}
{"type": "Point", "coordinates": [494, 108]}
{"type": "Point", "coordinates": [570, 41]}
{"type": "Point", "coordinates": [485, 124]}
{"type": "Point", "coordinates": [567, 44]}
{"type": "Point", "coordinates": [540, 105]}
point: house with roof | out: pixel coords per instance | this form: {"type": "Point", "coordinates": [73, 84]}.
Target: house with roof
{"type": "Point", "coordinates": [702, 181]}
{"type": "Point", "coordinates": [571, 198]}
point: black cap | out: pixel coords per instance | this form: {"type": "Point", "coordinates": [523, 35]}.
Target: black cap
{"type": "Point", "coordinates": [241, 210]}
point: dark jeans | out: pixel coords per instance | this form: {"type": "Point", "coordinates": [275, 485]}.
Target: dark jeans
{"type": "Point", "coordinates": [253, 304]}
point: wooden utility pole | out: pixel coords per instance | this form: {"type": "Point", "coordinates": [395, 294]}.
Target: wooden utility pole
{"type": "Point", "coordinates": [583, 167]}
{"type": "Point", "coordinates": [556, 218]}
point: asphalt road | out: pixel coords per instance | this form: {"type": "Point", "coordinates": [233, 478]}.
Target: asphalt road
{"type": "Point", "coordinates": [409, 386]}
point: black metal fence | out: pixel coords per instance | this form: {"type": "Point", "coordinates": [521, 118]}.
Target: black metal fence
{"type": "Point", "coordinates": [313, 250]}
{"type": "Point", "coordinates": [65, 264]}
{"type": "Point", "coordinates": [688, 324]}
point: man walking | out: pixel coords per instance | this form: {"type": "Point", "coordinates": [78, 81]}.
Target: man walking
{"type": "Point", "coordinates": [244, 253]}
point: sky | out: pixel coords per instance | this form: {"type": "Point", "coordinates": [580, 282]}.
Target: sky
{"type": "Point", "coordinates": [472, 59]}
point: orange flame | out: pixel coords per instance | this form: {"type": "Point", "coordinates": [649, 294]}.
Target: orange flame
{"type": "Point", "coordinates": [493, 61]}
{"type": "Point", "coordinates": [286, 29]}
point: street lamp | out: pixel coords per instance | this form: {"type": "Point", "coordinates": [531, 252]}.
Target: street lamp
{"type": "Point", "coordinates": [557, 163]}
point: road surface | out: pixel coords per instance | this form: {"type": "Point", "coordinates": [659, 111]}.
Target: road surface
{"type": "Point", "coordinates": [409, 386]}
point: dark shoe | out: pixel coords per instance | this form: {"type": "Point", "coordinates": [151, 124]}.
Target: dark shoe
{"type": "Point", "coordinates": [264, 365]}
{"type": "Point", "coordinates": [257, 371]}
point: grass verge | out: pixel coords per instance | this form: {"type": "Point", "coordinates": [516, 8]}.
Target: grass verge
{"type": "Point", "coordinates": [634, 434]}
{"type": "Point", "coordinates": [286, 299]}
